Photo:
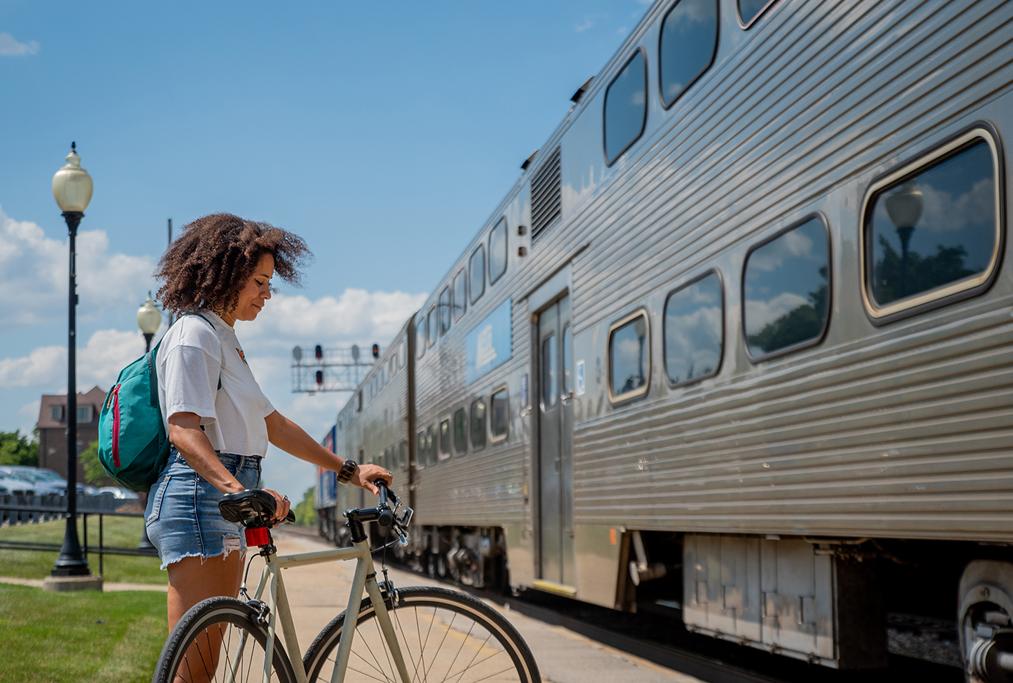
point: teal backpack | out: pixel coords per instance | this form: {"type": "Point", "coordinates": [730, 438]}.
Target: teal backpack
{"type": "Point", "coordinates": [132, 444]}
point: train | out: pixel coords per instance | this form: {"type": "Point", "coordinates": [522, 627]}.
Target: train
{"type": "Point", "coordinates": [736, 344]}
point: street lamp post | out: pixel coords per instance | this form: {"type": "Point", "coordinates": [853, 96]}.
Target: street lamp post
{"type": "Point", "coordinates": [149, 319]}
{"type": "Point", "coordinates": [905, 209]}
{"type": "Point", "coordinates": [72, 188]}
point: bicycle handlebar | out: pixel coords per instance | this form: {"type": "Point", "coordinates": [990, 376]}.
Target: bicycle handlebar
{"type": "Point", "coordinates": [389, 512]}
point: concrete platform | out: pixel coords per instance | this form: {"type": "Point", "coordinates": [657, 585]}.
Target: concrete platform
{"type": "Point", "coordinates": [319, 592]}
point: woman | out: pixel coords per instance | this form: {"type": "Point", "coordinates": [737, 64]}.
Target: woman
{"type": "Point", "coordinates": [218, 420]}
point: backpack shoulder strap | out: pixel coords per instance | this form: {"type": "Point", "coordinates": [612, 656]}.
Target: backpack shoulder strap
{"type": "Point", "coordinates": [216, 332]}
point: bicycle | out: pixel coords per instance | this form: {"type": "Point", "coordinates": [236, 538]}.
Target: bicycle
{"type": "Point", "coordinates": [398, 634]}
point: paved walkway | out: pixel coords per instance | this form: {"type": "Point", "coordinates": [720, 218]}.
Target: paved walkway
{"type": "Point", "coordinates": [318, 592]}
{"type": "Point", "coordinates": [37, 583]}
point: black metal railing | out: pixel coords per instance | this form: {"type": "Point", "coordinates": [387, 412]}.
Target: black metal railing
{"type": "Point", "coordinates": [23, 510]}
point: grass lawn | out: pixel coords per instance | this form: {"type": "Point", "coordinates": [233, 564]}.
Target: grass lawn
{"type": "Point", "coordinates": [79, 636]}
{"type": "Point", "coordinates": [121, 532]}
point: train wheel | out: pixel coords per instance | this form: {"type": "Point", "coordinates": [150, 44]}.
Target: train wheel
{"type": "Point", "coordinates": [986, 621]}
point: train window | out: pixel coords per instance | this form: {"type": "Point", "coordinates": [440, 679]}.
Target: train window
{"type": "Point", "coordinates": [749, 10]}
{"type": "Point", "coordinates": [786, 290]}
{"type": "Point", "coordinates": [498, 251]}
{"type": "Point", "coordinates": [932, 230]}
{"type": "Point", "coordinates": [431, 332]}
{"type": "Point", "coordinates": [420, 449]}
{"type": "Point", "coordinates": [629, 357]}
{"type": "Point", "coordinates": [689, 41]}
{"type": "Point", "coordinates": [444, 439]}
{"type": "Point", "coordinates": [460, 431]}
{"type": "Point", "coordinates": [459, 301]}
{"type": "Point", "coordinates": [420, 337]}
{"type": "Point", "coordinates": [402, 353]}
{"type": "Point", "coordinates": [358, 402]}
{"type": "Point", "coordinates": [478, 423]}
{"type": "Point", "coordinates": [499, 418]}
{"type": "Point", "coordinates": [567, 360]}
{"type": "Point", "coordinates": [402, 454]}
{"type": "Point", "coordinates": [694, 330]}
{"type": "Point", "coordinates": [550, 372]}
{"type": "Point", "coordinates": [626, 107]}
{"type": "Point", "coordinates": [476, 270]}
{"type": "Point", "coordinates": [430, 445]}
{"type": "Point", "coordinates": [444, 311]}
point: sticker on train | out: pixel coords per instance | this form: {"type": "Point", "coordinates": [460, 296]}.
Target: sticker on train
{"type": "Point", "coordinates": [490, 343]}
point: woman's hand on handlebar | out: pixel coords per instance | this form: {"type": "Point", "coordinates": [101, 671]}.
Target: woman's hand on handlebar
{"type": "Point", "coordinates": [366, 474]}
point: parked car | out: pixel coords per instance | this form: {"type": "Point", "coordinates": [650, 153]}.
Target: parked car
{"type": "Point", "coordinates": [15, 485]}
{"type": "Point", "coordinates": [118, 493]}
{"type": "Point", "coordinates": [42, 481]}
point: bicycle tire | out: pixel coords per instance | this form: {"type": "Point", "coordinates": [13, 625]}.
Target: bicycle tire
{"type": "Point", "coordinates": [230, 618]}
{"type": "Point", "coordinates": [414, 618]}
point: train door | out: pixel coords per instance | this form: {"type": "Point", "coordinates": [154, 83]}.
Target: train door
{"type": "Point", "coordinates": [555, 429]}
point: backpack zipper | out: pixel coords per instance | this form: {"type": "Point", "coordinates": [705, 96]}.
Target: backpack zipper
{"type": "Point", "coordinates": [116, 426]}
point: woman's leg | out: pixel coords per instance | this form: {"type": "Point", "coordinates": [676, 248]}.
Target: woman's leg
{"type": "Point", "coordinates": [191, 580]}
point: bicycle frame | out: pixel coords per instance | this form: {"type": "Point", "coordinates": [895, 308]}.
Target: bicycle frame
{"type": "Point", "coordinates": [364, 580]}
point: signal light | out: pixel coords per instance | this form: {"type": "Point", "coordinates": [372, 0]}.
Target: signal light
{"type": "Point", "coordinates": [320, 378]}
{"type": "Point", "coordinates": [376, 350]}
{"type": "Point", "coordinates": [318, 352]}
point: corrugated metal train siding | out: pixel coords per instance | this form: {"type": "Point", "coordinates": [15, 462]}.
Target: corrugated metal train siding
{"type": "Point", "coordinates": [897, 431]}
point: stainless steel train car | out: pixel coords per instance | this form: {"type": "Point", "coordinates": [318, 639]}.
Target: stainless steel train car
{"type": "Point", "coordinates": [737, 342]}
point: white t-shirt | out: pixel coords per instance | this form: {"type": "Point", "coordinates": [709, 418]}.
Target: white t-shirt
{"type": "Point", "coordinates": [190, 361]}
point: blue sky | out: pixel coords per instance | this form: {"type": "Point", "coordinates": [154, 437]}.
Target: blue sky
{"type": "Point", "coordinates": [384, 135]}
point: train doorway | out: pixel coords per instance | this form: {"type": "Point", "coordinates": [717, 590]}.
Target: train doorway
{"type": "Point", "coordinates": [554, 387]}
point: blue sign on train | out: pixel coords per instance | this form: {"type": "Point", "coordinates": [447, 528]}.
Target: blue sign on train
{"type": "Point", "coordinates": [490, 343]}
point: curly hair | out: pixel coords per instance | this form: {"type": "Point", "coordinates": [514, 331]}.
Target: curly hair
{"type": "Point", "coordinates": [211, 261]}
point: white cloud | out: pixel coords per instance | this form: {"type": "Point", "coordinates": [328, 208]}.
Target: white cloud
{"type": "Point", "coordinates": [356, 316]}
{"type": "Point", "coordinates": [101, 359]}
{"type": "Point", "coordinates": [12, 47]}
{"type": "Point", "coordinates": [583, 26]}
{"type": "Point", "coordinates": [35, 266]}
{"type": "Point", "coordinates": [761, 312]}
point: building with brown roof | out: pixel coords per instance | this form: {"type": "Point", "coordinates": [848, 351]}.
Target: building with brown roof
{"type": "Point", "coordinates": [53, 428]}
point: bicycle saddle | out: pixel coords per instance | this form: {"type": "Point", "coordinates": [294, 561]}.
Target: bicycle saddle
{"type": "Point", "coordinates": [253, 508]}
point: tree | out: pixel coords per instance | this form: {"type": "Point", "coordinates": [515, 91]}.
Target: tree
{"type": "Point", "coordinates": [18, 450]}
{"type": "Point", "coordinates": [94, 473]}
{"type": "Point", "coordinates": [305, 510]}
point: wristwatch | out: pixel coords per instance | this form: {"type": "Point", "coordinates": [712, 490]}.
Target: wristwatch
{"type": "Point", "coordinates": [347, 471]}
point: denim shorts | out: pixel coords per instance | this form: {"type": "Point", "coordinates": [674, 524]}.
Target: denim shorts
{"type": "Point", "coordinates": [182, 517]}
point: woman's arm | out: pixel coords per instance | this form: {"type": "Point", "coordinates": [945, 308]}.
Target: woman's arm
{"type": "Point", "coordinates": [291, 438]}
{"type": "Point", "coordinates": [185, 433]}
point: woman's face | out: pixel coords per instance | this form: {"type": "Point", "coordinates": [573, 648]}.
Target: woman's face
{"type": "Point", "coordinates": [256, 291]}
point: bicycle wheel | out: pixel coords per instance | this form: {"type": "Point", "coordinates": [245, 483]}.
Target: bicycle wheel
{"type": "Point", "coordinates": [443, 635]}
{"type": "Point", "coordinates": [219, 639]}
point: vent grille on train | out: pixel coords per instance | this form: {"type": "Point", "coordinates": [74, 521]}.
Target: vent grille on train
{"type": "Point", "coordinates": [546, 196]}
